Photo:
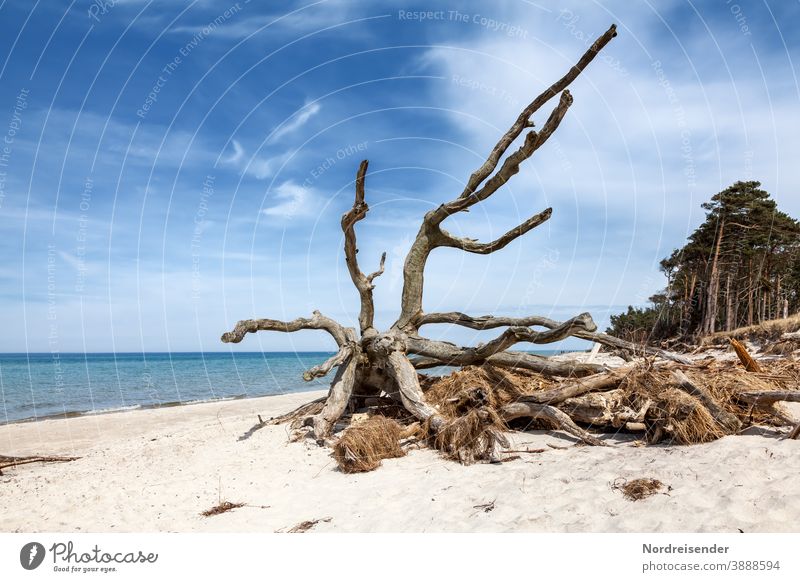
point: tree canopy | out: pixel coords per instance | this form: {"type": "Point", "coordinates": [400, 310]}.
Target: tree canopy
{"type": "Point", "coordinates": [741, 266]}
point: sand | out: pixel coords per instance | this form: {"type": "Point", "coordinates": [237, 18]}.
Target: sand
{"type": "Point", "coordinates": [157, 470]}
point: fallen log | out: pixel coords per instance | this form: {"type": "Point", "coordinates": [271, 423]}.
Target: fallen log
{"type": "Point", "coordinates": [545, 412]}
{"type": "Point", "coordinates": [762, 398]}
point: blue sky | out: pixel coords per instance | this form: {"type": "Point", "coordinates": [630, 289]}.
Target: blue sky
{"type": "Point", "coordinates": [168, 168]}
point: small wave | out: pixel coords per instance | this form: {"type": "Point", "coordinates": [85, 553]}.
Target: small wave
{"type": "Point", "coordinates": [114, 409]}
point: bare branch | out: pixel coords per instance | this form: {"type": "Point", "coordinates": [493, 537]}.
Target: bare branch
{"type": "Point", "coordinates": [322, 369]}
{"type": "Point", "coordinates": [578, 387]}
{"type": "Point", "coordinates": [340, 333]}
{"type": "Point", "coordinates": [446, 354]}
{"type": "Point", "coordinates": [490, 322]}
{"type": "Point", "coordinates": [533, 141]}
{"type": "Point", "coordinates": [430, 234]}
{"type": "Point", "coordinates": [482, 321]}
{"type": "Point", "coordinates": [362, 282]}
{"type": "Point", "coordinates": [513, 335]}
{"type": "Point", "coordinates": [543, 365]}
{"type": "Point", "coordinates": [371, 277]}
{"type": "Point", "coordinates": [523, 121]}
{"type": "Point", "coordinates": [472, 246]}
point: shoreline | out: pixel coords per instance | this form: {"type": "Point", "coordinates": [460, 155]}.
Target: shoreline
{"type": "Point", "coordinates": [135, 407]}
{"type": "Point", "coordinates": [157, 470]}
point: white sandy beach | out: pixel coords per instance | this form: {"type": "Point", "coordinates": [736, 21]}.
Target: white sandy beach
{"type": "Point", "coordinates": [157, 470]}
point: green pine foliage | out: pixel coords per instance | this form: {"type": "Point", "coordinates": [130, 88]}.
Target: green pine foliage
{"type": "Point", "coordinates": [740, 267]}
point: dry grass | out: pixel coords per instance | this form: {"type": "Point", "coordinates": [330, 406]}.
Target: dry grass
{"type": "Point", "coordinates": [685, 420]}
{"type": "Point", "coordinates": [305, 526]}
{"type": "Point", "coordinates": [472, 437]}
{"type": "Point", "coordinates": [672, 413]}
{"type": "Point", "coordinates": [469, 400]}
{"type": "Point", "coordinates": [362, 447]}
{"type": "Point", "coordinates": [768, 330]}
{"type": "Point", "coordinates": [475, 386]}
{"type": "Point", "coordinates": [223, 507]}
{"type": "Point", "coordinates": [637, 489]}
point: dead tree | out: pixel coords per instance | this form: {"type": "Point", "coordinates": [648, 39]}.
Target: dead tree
{"type": "Point", "coordinates": [371, 362]}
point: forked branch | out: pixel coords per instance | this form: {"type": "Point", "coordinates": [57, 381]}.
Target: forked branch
{"type": "Point", "coordinates": [362, 282]}
{"type": "Point", "coordinates": [431, 236]}
{"type": "Point", "coordinates": [523, 120]}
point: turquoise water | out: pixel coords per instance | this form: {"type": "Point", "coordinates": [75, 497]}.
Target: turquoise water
{"type": "Point", "coordinates": [35, 386]}
{"type": "Point", "coordinates": [42, 385]}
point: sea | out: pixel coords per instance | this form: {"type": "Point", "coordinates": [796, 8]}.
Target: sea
{"type": "Point", "coordinates": [61, 385]}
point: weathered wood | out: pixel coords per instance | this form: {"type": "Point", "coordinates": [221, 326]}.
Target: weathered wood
{"type": "Point", "coordinates": [725, 419]}
{"type": "Point", "coordinates": [744, 356]}
{"type": "Point", "coordinates": [768, 397]}
{"type": "Point", "coordinates": [574, 388]}
{"type": "Point", "coordinates": [6, 461]}
{"type": "Point", "coordinates": [317, 321]}
{"type": "Point", "coordinates": [362, 282]}
{"type": "Point", "coordinates": [447, 354]}
{"type": "Point", "coordinates": [336, 402]}
{"type": "Point", "coordinates": [484, 322]}
{"type": "Point", "coordinates": [545, 412]}
{"type": "Point", "coordinates": [408, 384]}
{"type": "Point", "coordinates": [322, 369]}
{"type": "Point", "coordinates": [431, 236]}
{"type": "Point", "coordinates": [370, 363]}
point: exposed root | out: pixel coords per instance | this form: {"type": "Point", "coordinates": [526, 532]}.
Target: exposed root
{"type": "Point", "coordinates": [472, 437]}
{"type": "Point", "coordinates": [474, 407]}
{"type": "Point", "coordinates": [672, 414]}
{"type": "Point", "coordinates": [296, 417]}
{"type": "Point", "coordinates": [362, 447]}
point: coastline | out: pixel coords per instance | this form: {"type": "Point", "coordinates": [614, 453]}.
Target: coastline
{"type": "Point", "coordinates": [158, 469]}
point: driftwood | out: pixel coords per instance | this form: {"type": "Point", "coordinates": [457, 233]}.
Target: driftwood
{"type": "Point", "coordinates": [6, 462]}
{"type": "Point", "coordinates": [370, 362]}
{"type": "Point", "coordinates": [467, 421]}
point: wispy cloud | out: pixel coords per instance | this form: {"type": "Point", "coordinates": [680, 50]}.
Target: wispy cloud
{"type": "Point", "coordinates": [292, 200]}
{"type": "Point", "coordinates": [296, 122]}
{"type": "Point", "coordinates": [258, 167]}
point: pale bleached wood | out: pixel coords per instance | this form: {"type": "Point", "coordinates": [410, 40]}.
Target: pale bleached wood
{"type": "Point", "coordinates": [317, 321]}
{"type": "Point", "coordinates": [362, 282]}
{"type": "Point", "coordinates": [431, 236]}
{"type": "Point", "coordinates": [535, 411]}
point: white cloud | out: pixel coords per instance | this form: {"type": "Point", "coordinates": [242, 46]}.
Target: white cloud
{"type": "Point", "coordinates": [258, 167]}
{"type": "Point", "coordinates": [292, 200]}
{"type": "Point", "coordinates": [616, 170]}
{"type": "Point", "coordinates": [237, 156]}
{"type": "Point", "coordinates": [293, 124]}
